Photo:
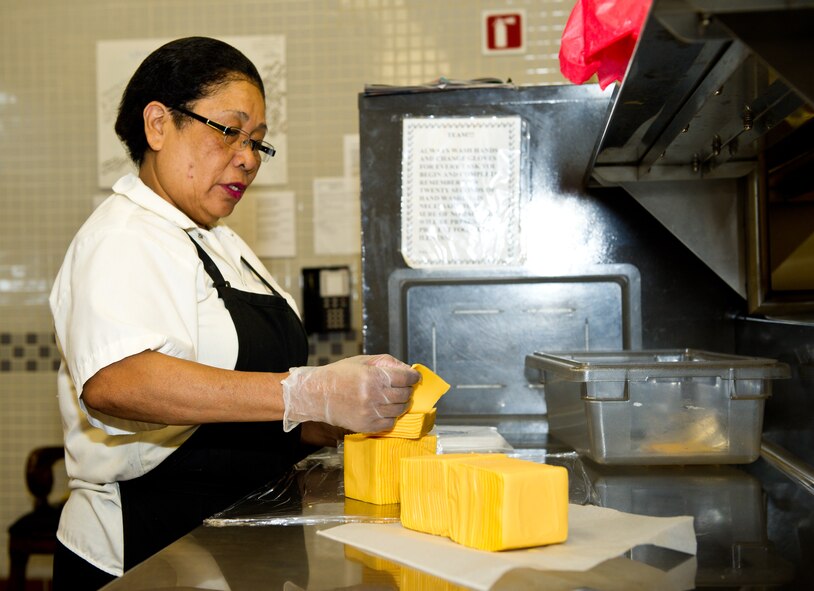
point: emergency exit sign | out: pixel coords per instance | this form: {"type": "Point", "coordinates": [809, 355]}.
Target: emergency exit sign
{"type": "Point", "coordinates": [504, 31]}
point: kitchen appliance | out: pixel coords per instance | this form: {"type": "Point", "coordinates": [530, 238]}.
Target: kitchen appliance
{"type": "Point", "coordinates": [711, 131]}
{"type": "Point", "coordinates": [595, 272]}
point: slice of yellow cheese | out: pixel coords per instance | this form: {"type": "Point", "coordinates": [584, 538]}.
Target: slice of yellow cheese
{"type": "Point", "coordinates": [427, 391]}
{"type": "Point", "coordinates": [371, 465]}
{"type": "Point", "coordinates": [506, 504]}
{"type": "Point", "coordinates": [419, 418]}
{"type": "Point", "coordinates": [411, 425]}
{"type": "Point", "coordinates": [423, 489]}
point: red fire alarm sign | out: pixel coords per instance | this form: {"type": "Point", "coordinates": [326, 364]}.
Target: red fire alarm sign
{"type": "Point", "coordinates": [504, 31]}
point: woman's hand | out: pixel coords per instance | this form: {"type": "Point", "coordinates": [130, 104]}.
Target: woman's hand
{"type": "Point", "coordinates": [365, 393]}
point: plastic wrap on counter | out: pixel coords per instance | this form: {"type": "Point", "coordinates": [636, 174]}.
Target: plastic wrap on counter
{"type": "Point", "coordinates": [313, 492]}
{"type": "Point", "coordinates": [580, 489]}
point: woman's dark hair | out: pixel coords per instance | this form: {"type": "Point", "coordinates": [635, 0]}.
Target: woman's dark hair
{"type": "Point", "coordinates": [177, 74]}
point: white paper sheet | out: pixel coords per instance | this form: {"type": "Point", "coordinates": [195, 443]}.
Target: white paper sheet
{"type": "Point", "coordinates": [350, 151]}
{"type": "Point", "coordinates": [276, 223]}
{"type": "Point", "coordinates": [337, 218]}
{"type": "Point", "coordinates": [595, 534]}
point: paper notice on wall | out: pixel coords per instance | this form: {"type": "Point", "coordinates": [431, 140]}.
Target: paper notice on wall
{"type": "Point", "coordinates": [337, 216]}
{"type": "Point", "coordinates": [275, 215]}
{"type": "Point", "coordinates": [461, 191]}
{"type": "Point", "coordinates": [350, 150]}
{"type": "Point", "coordinates": [117, 60]}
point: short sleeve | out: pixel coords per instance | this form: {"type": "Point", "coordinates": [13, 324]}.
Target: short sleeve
{"type": "Point", "coordinates": [122, 291]}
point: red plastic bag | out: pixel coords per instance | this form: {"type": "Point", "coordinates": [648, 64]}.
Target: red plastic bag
{"type": "Point", "coordinates": [599, 38]}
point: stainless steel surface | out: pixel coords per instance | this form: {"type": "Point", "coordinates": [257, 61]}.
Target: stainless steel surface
{"type": "Point", "coordinates": [729, 516]}
{"type": "Point", "coordinates": [764, 228]}
{"type": "Point", "coordinates": [560, 229]}
{"type": "Point", "coordinates": [475, 325]}
{"type": "Point", "coordinates": [706, 84]}
{"type": "Point", "coordinates": [777, 31]}
{"type": "Point", "coordinates": [713, 229]}
{"type": "Point", "coordinates": [566, 228]}
{"type": "Point", "coordinates": [697, 95]}
{"type": "Point", "coordinates": [727, 505]}
{"type": "Point", "coordinates": [788, 464]}
{"type": "Point", "coordinates": [790, 411]}
{"type": "Point", "coordinates": [473, 328]}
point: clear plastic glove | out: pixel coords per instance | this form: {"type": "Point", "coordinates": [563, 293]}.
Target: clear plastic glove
{"type": "Point", "coordinates": [365, 393]}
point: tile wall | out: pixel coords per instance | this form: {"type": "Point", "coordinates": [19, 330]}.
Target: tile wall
{"type": "Point", "coordinates": [48, 146]}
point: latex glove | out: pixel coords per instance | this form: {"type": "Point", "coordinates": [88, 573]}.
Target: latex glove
{"type": "Point", "coordinates": [365, 393]}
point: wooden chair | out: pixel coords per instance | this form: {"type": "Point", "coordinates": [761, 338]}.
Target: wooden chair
{"type": "Point", "coordinates": [35, 532]}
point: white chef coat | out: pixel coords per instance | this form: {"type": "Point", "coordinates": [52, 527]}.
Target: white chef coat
{"type": "Point", "coordinates": [132, 281]}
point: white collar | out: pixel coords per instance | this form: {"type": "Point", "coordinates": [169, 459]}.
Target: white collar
{"type": "Point", "coordinates": [134, 189]}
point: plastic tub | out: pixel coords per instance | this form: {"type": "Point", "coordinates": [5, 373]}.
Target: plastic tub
{"type": "Point", "coordinates": [657, 407]}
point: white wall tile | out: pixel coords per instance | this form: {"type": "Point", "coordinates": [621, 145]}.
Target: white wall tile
{"type": "Point", "coordinates": [48, 137]}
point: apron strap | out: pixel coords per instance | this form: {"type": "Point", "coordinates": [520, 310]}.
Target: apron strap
{"type": "Point", "coordinates": [212, 269]}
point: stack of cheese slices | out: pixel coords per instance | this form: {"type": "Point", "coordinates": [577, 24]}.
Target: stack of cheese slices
{"type": "Point", "coordinates": [484, 501]}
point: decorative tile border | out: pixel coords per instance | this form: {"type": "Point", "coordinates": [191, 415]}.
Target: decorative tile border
{"type": "Point", "coordinates": [34, 352]}
{"type": "Point", "coordinates": [29, 352]}
{"type": "Point", "coordinates": [324, 348]}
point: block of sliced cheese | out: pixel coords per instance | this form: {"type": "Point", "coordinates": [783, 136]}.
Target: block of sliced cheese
{"type": "Point", "coordinates": [371, 465]}
{"type": "Point", "coordinates": [411, 425]}
{"type": "Point", "coordinates": [423, 490]}
{"type": "Point", "coordinates": [508, 503]}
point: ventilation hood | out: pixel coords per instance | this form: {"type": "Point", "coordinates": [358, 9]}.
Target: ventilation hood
{"type": "Point", "coordinates": [712, 85]}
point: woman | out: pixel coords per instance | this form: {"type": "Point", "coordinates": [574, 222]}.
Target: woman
{"type": "Point", "coordinates": [177, 343]}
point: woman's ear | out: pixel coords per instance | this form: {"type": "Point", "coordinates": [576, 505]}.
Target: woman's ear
{"type": "Point", "coordinates": [157, 118]}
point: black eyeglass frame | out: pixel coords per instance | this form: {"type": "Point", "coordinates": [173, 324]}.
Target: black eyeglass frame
{"type": "Point", "coordinates": [260, 146]}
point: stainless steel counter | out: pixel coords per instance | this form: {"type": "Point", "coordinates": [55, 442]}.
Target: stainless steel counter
{"type": "Point", "coordinates": [269, 540]}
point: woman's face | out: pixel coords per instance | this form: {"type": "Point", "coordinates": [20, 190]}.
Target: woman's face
{"type": "Point", "coordinates": [194, 169]}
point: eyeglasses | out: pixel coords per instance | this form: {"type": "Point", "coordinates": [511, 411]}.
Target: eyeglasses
{"type": "Point", "coordinates": [234, 137]}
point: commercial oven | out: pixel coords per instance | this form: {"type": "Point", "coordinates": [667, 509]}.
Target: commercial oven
{"type": "Point", "coordinates": [595, 271]}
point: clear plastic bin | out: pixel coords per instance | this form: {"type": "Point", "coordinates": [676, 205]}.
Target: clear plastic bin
{"type": "Point", "coordinates": [657, 407]}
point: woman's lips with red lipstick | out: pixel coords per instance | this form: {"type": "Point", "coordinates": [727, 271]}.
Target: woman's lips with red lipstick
{"type": "Point", "coordinates": [235, 190]}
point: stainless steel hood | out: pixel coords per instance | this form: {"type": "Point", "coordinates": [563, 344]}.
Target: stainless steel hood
{"type": "Point", "coordinates": [687, 129]}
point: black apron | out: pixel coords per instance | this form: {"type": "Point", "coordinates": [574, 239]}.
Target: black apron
{"type": "Point", "coordinates": [221, 462]}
